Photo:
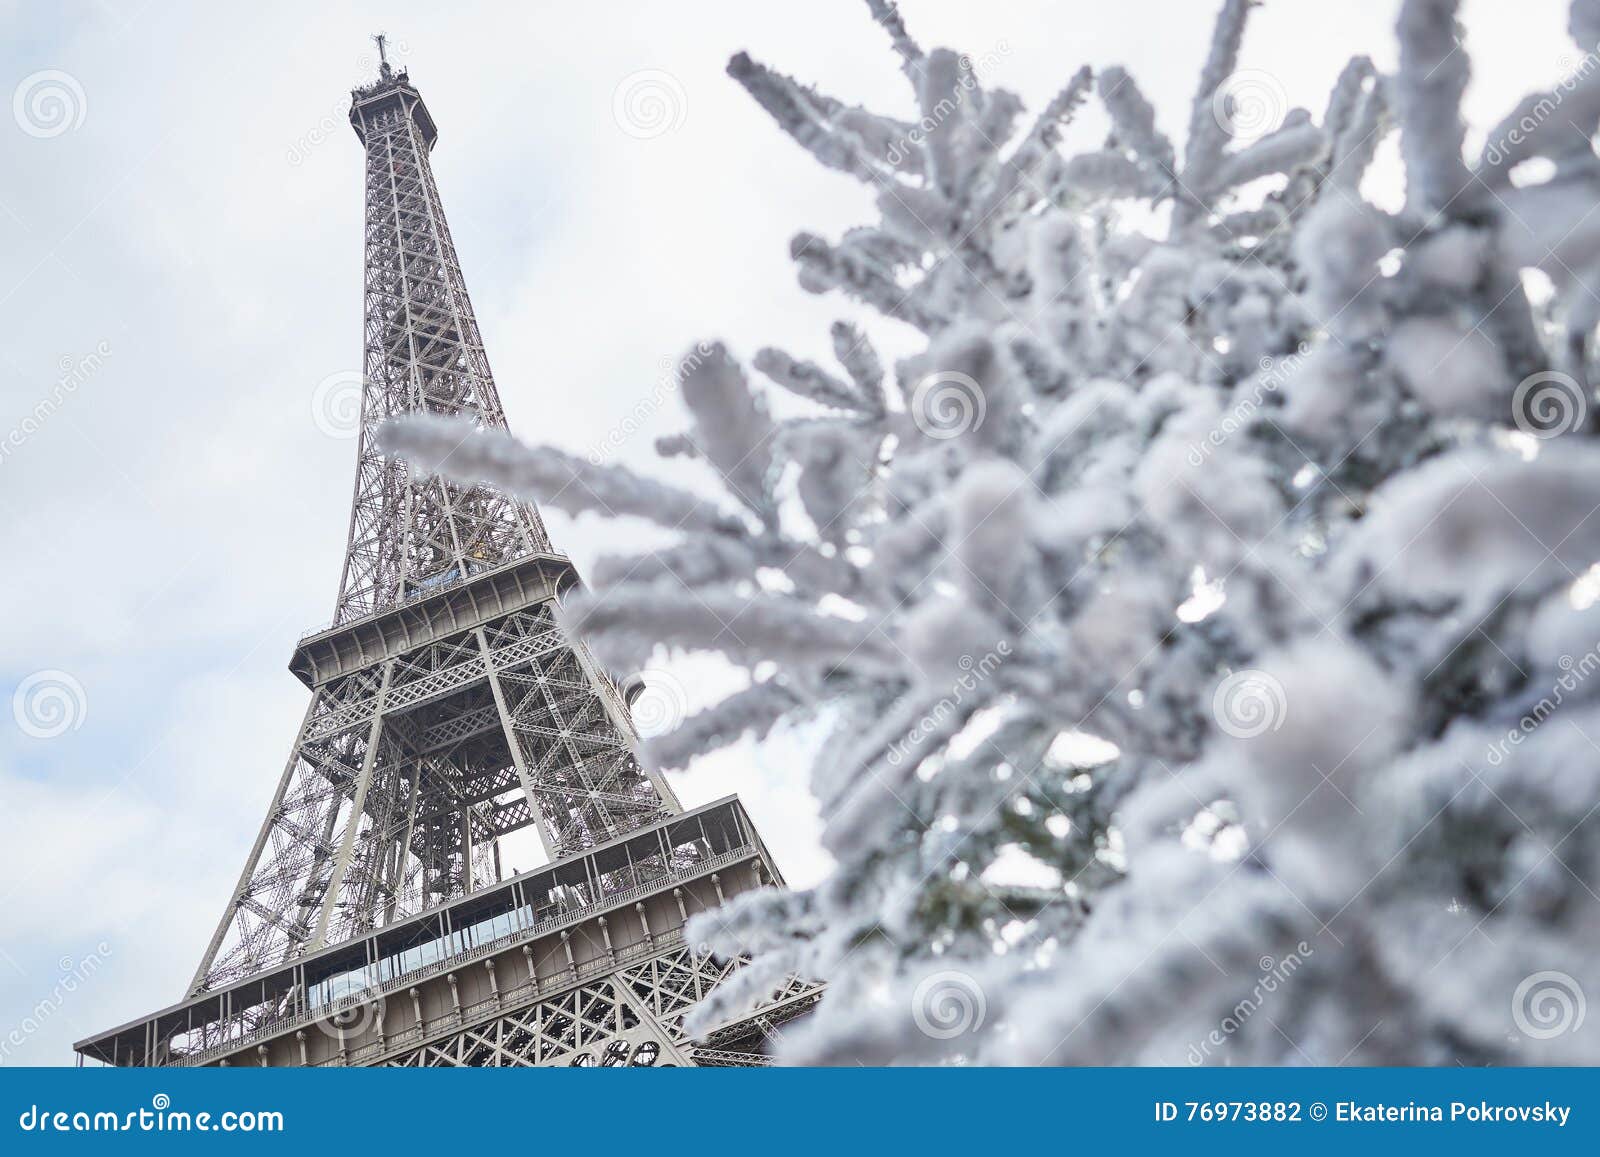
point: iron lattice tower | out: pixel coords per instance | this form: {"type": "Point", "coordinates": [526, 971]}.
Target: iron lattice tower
{"type": "Point", "coordinates": [448, 709]}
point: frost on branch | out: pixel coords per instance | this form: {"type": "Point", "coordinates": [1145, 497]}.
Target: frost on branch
{"type": "Point", "coordinates": [1199, 629]}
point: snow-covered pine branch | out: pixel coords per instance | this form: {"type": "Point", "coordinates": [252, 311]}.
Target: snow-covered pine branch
{"type": "Point", "coordinates": [1204, 620]}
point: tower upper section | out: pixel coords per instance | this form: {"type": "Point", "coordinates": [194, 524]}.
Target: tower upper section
{"type": "Point", "coordinates": [391, 94]}
{"type": "Point", "coordinates": [422, 352]}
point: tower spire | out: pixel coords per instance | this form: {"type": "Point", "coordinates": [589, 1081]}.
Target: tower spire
{"type": "Point", "coordinates": [384, 70]}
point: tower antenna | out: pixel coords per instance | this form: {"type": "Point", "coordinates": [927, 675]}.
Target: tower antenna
{"type": "Point", "coordinates": [383, 56]}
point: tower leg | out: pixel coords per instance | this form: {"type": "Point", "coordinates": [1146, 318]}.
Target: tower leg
{"type": "Point", "coordinates": [197, 982]}
{"type": "Point", "coordinates": [547, 842]}
{"type": "Point", "coordinates": [358, 807]}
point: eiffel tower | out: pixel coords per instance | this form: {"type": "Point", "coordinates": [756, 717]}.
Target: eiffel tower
{"type": "Point", "coordinates": [372, 923]}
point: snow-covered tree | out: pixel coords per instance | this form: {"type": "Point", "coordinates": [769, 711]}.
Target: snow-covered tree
{"type": "Point", "coordinates": [1200, 626]}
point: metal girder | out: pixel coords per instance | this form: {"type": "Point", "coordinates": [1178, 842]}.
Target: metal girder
{"type": "Point", "coordinates": [448, 708]}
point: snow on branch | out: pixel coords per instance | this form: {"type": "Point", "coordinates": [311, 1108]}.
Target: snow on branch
{"type": "Point", "coordinates": [460, 451]}
{"type": "Point", "coordinates": [1196, 631]}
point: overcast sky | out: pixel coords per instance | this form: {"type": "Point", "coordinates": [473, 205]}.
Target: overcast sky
{"type": "Point", "coordinates": [183, 237]}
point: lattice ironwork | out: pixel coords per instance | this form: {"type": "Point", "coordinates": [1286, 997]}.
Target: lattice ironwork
{"type": "Point", "coordinates": [632, 1018]}
{"type": "Point", "coordinates": [422, 352]}
{"type": "Point", "coordinates": [407, 771]}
